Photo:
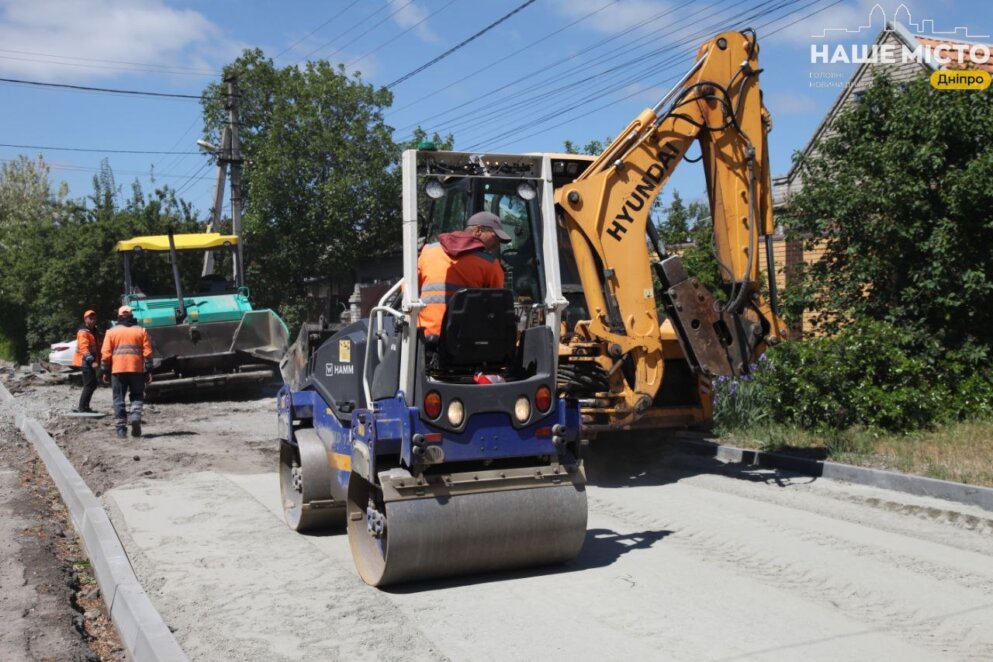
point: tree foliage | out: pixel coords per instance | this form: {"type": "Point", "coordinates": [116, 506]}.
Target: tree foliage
{"type": "Point", "coordinates": [900, 194]}
{"type": "Point", "coordinates": [57, 257]}
{"type": "Point", "coordinates": [320, 182]}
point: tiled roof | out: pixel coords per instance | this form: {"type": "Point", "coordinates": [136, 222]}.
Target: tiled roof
{"type": "Point", "coordinates": [930, 42]}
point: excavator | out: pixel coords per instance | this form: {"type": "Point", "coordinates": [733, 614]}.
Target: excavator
{"type": "Point", "coordinates": [450, 455]}
{"type": "Point", "coordinates": [628, 369]}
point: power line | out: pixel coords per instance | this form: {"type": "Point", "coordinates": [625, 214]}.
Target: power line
{"type": "Point", "coordinates": [73, 167]}
{"type": "Point", "coordinates": [134, 66]}
{"type": "Point", "coordinates": [569, 120]}
{"type": "Point", "coordinates": [497, 110]}
{"type": "Point", "coordinates": [642, 76]}
{"type": "Point", "coordinates": [84, 88]}
{"type": "Point", "coordinates": [585, 50]}
{"type": "Point", "coordinates": [301, 39]}
{"type": "Point", "coordinates": [503, 59]}
{"type": "Point", "coordinates": [341, 34]}
{"type": "Point", "coordinates": [459, 45]}
{"type": "Point", "coordinates": [395, 37]}
{"type": "Point", "coordinates": [86, 149]}
{"type": "Point", "coordinates": [369, 29]}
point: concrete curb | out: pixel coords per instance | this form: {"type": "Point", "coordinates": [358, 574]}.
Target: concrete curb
{"type": "Point", "coordinates": [143, 632]}
{"type": "Point", "coordinates": [972, 495]}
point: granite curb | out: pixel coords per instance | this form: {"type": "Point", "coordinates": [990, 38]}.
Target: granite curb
{"type": "Point", "coordinates": [143, 632]}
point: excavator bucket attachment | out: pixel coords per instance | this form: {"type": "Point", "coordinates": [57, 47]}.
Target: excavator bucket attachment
{"type": "Point", "coordinates": [437, 529]}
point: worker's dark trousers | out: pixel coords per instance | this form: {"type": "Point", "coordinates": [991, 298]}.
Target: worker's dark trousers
{"type": "Point", "coordinates": [89, 385]}
{"type": "Point", "coordinates": [122, 383]}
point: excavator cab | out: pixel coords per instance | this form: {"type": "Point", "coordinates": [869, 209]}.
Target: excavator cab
{"type": "Point", "coordinates": [448, 455]}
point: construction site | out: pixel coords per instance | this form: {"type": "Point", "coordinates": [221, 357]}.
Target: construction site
{"type": "Point", "coordinates": [432, 399]}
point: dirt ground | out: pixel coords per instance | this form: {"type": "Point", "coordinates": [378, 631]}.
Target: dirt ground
{"type": "Point", "coordinates": [178, 436]}
{"type": "Point", "coordinates": [50, 607]}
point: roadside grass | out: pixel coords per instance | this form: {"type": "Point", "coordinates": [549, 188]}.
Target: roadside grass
{"type": "Point", "coordinates": [962, 452]}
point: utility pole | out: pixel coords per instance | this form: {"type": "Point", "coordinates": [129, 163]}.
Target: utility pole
{"type": "Point", "coordinates": [233, 123]}
{"type": "Point", "coordinates": [229, 154]}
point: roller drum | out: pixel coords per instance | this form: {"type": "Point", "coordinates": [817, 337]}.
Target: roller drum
{"type": "Point", "coordinates": [444, 534]}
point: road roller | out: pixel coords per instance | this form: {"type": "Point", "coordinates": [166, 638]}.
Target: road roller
{"type": "Point", "coordinates": [443, 454]}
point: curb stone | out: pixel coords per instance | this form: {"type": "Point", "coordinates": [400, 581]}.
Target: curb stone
{"type": "Point", "coordinates": [972, 495]}
{"type": "Point", "coordinates": [143, 632]}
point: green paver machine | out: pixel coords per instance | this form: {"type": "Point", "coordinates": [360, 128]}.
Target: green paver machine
{"type": "Point", "coordinates": [203, 329]}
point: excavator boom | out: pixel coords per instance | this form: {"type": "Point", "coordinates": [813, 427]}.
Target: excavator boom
{"type": "Point", "coordinates": [606, 210]}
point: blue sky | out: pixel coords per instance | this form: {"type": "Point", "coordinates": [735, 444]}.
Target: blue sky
{"type": "Point", "coordinates": [551, 60]}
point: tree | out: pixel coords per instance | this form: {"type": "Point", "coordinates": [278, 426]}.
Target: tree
{"type": "Point", "coordinates": [592, 148]}
{"type": "Point", "coordinates": [60, 258]}
{"type": "Point", "coordinates": [26, 205]}
{"type": "Point", "coordinates": [321, 185]}
{"type": "Point", "coordinates": [900, 194]}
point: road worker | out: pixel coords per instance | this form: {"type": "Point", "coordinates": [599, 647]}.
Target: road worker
{"type": "Point", "coordinates": [462, 259]}
{"type": "Point", "coordinates": [127, 359]}
{"type": "Point", "coordinates": [87, 358]}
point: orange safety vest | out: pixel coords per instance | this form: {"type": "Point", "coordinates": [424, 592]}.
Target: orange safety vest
{"type": "Point", "coordinates": [440, 275]}
{"type": "Point", "coordinates": [86, 344]}
{"type": "Point", "coordinates": [126, 348]}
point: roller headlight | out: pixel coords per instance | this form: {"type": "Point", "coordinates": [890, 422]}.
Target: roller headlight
{"type": "Point", "coordinates": [522, 409]}
{"type": "Point", "coordinates": [456, 413]}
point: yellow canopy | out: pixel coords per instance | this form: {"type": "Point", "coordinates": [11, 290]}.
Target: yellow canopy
{"type": "Point", "coordinates": [184, 242]}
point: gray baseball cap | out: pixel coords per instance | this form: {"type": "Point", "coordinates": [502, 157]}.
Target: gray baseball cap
{"type": "Point", "coordinates": [487, 219]}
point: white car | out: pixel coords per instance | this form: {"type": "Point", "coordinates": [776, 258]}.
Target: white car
{"type": "Point", "coordinates": [62, 353]}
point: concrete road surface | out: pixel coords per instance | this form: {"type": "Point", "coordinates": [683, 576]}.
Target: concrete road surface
{"type": "Point", "coordinates": [678, 564]}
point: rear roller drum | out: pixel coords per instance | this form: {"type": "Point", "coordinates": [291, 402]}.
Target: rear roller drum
{"type": "Point", "coordinates": [305, 485]}
{"type": "Point", "coordinates": [432, 536]}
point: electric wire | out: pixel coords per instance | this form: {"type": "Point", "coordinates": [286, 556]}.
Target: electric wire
{"type": "Point", "coordinates": [306, 36]}
{"type": "Point", "coordinates": [461, 44]}
{"type": "Point", "coordinates": [602, 92]}
{"type": "Point", "coordinates": [342, 34]}
{"type": "Point", "coordinates": [395, 37]}
{"type": "Point", "coordinates": [135, 66]}
{"type": "Point", "coordinates": [537, 41]}
{"type": "Point", "coordinates": [576, 88]}
{"type": "Point", "coordinates": [86, 88]}
{"type": "Point", "coordinates": [88, 149]}
{"type": "Point", "coordinates": [368, 30]}
{"type": "Point", "coordinates": [496, 108]}
{"type": "Point", "coordinates": [586, 50]}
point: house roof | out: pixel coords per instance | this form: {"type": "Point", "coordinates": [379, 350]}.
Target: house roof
{"type": "Point", "coordinates": [931, 42]}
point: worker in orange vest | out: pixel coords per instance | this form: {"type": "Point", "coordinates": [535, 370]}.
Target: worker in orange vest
{"type": "Point", "coordinates": [460, 259]}
{"type": "Point", "coordinates": [127, 359]}
{"type": "Point", "coordinates": [87, 359]}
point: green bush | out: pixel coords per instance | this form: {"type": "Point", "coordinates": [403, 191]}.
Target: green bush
{"type": "Point", "coordinates": [869, 375]}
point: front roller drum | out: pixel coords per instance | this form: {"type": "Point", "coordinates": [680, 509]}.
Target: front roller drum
{"type": "Point", "coordinates": [305, 485]}
{"type": "Point", "coordinates": [443, 535]}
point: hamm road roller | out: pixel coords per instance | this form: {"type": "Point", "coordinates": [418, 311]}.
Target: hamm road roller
{"type": "Point", "coordinates": [447, 454]}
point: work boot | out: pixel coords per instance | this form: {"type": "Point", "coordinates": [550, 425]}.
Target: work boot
{"type": "Point", "coordinates": [135, 428]}
{"type": "Point", "coordinates": [122, 433]}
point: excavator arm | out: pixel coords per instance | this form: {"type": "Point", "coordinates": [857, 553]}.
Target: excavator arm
{"type": "Point", "coordinates": [606, 211]}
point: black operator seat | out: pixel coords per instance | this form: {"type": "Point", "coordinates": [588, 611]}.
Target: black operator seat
{"type": "Point", "coordinates": [479, 330]}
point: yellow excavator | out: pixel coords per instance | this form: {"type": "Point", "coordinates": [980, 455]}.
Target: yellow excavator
{"type": "Point", "coordinates": [630, 365]}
